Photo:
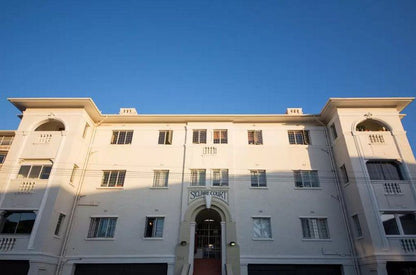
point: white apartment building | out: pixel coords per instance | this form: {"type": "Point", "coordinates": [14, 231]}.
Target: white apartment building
{"type": "Point", "coordinates": [83, 192]}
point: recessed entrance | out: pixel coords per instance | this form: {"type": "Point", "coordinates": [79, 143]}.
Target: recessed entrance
{"type": "Point", "coordinates": [207, 250]}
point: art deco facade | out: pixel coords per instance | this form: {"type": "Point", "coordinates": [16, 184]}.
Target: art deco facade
{"type": "Point", "coordinates": [88, 193]}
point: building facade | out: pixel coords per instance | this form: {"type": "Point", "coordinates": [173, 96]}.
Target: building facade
{"type": "Point", "coordinates": [331, 193]}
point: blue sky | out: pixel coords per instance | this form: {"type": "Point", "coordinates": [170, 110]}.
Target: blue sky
{"type": "Point", "coordinates": [207, 56]}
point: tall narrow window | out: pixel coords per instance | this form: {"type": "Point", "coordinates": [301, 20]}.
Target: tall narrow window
{"type": "Point", "coordinates": [154, 227]}
{"type": "Point", "coordinates": [160, 178]}
{"type": "Point", "coordinates": [299, 137]}
{"type": "Point", "coordinates": [333, 131]}
{"type": "Point", "coordinates": [220, 137]}
{"type": "Point", "coordinates": [315, 228]}
{"type": "Point", "coordinates": [122, 137]}
{"type": "Point", "coordinates": [102, 227]}
{"type": "Point", "coordinates": [344, 174]}
{"type": "Point", "coordinates": [113, 178]}
{"type": "Point", "coordinates": [258, 178]}
{"type": "Point", "coordinates": [220, 177]}
{"type": "Point", "coordinates": [73, 174]}
{"type": "Point", "coordinates": [262, 228]}
{"type": "Point", "coordinates": [255, 137]}
{"type": "Point", "coordinates": [198, 177]}
{"type": "Point", "coordinates": [2, 157]}
{"type": "Point", "coordinates": [85, 132]}
{"type": "Point", "coordinates": [306, 178]}
{"type": "Point", "coordinates": [165, 137]}
{"type": "Point", "coordinates": [199, 136]}
{"type": "Point", "coordinates": [59, 223]}
{"type": "Point", "coordinates": [357, 226]}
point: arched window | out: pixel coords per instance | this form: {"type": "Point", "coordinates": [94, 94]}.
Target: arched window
{"type": "Point", "coordinates": [51, 125]}
{"type": "Point", "coordinates": [371, 125]}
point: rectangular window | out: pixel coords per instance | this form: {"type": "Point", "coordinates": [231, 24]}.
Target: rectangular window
{"type": "Point", "coordinates": [255, 137]}
{"type": "Point", "coordinates": [6, 140]}
{"type": "Point", "coordinates": [299, 137]}
{"type": "Point", "coordinates": [333, 131]}
{"type": "Point", "coordinates": [384, 170]}
{"type": "Point", "coordinates": [122, 137]}
{"type": "Point", "coordinates": [199, 136]}
{"type": "Point", "coordinates": [17, 222]}
{"type": "Point", "coordinates": [315, 228]}
{"type": "Point", "coordinates": [220, 177]}
{"type": "Point", "coordinates": [160, 178]}
{"type": "Point", "coordinates": [73, 173]}
{"type": "Point", "coordinates": [306, 178]}
{"type": "Point", "coordinates": [165, 137]}
{"type": "Point", "coordinates": [35, 171]}
{"type": "Point", "coordinates": [154, 227]}
{"type": "Point", "coordinates": [262, 228]}
{"type": "Point", "coordinates": [399, 223]}
{"type": "Point", "coordinates": [220, 137]}
{"type": "Point", "coordinates": [344, 174]}
{"type": "Point", "coordinates": [2, 157]}
{"type": "Point", "coordinates": [113, 178]}
{"type": "Point", "coordinates": [59, 223]}
{"type": "Point", "coordinates": [198, 177]}
{"type": "Point", "coordinates": [357, 226]}
{"type": "Point", "coordinates": [102, 228]}
{"type": "Point", "coordinates": [86, 127]}
{"type": "Point", "coordinates": [258, 178]}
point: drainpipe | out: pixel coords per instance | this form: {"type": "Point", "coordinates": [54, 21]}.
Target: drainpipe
{"type": "Point", "coordinates": [341, 199]}
{"type": "Point", "coordinates": [76, 199]}
{"type": "Point", "coordinates": [183, 178]}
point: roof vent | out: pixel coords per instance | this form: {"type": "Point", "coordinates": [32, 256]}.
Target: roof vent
{"type": "Point", "coordinates": [294, 111]}
{"type": "Point", "coordinates": [128, 111]}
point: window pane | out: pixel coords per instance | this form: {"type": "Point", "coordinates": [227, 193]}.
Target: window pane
{"type": "Point", "coordinates": [258, 137]}
{"type": "Point", "coordinates": [106, 175]}
{"type": "Point", "coordinates": [408, 222]}
{"type": "Point", "coordinates": [374, 170]}
{"type": "Point", "coordinates": [121, 177]}
{"type": "Point", "coordinates": [298, 178]}
{"type": "Point", "coordinates": [262, 179]}
{"type": "Point", "coordinates": [102, 228]}
{"type": "Point", "coordinates": [129, 137]}
{"type": "Point", "coordinates": [224, 177]}
{"type": "Point", "coordinates": [357, 225]}
{"type": "Point", "coordinates": [299, 137]}
{"type": "Point", "coordinates": [111, 227]}
{"type": "Point", "coordinates": [161, 137]}
{"type": "Point", "coordinates": [216, 136]}
{"type": "Point", "coordinates": [203, 136]}
{"type": "Point", "coordinates": [314, 179]}
{"type": "Point", "coordinates": [305, 229]}
{"type": "Point", "coordinates": [46, 171]}
{"type": "Point", "coordinates": [93, 227]}
{"type": "Point", "coordinates": [261, 228]}
{"type": "Point", "coordinates": [254, 178]}
{"type": "Point", "coordinates": [24, 171]}
{"type": "Point", "coordinates": [291, 136]}
{"type": "Point", "coordinates": [323, 229]}
{"type": "Point", "coordinates": [201, 177]}
{"type": "Point", "coordinates": [159, 227]}
{"type": "Point", "coordinates": [391, 171]}
{"type": "Point", "coordinates": [250, 137]}
{"type": "Point", "coordinates": [121, 137]}
{"type": "Point", "coordinates": [149, 227]}
{"type": "Point", "coordinates": [306, 179]}
{"type": "Point", "coordinates": [216, 177]}
{"type": "Point", "coordinates": [389, 224]}
{"type": "Point", "coordinates": [195, 136]}
{"type": "Point", "coordinates": [114, 137]}
{"type": "Point", "coordinates": [113, 179]}
{"type": "Point", "coordinates": [35, 171]}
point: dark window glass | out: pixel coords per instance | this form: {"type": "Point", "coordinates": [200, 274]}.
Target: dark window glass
{"type": "Point", "coordinates": [408, 222]}
{"type": "Point", "coordinates": [384, 170]}
{"type": "Point", "coordinates": [46, 171]}
{"type": "Point", "coordinates": [390, 224]}
{"type": "Point", "coordinates": [18, 222]}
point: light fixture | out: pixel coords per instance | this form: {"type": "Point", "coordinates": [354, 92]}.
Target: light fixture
{"type": "Point", "coordinates": [183, 243]}
{"type": "Point", "coordinates": [232, 244]}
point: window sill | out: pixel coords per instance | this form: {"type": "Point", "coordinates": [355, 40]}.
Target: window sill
{"type": "Point", "coordinates": [110, 188]}
{"type": "Point", "coordinates": [153, 238]}
{"type": "Point", "coordinates": [260, 187]}
{"type": "Point", "coordinates": [398, 194]}
{"type": "Point", "coordinates": [226, 187]}
{"type": "Point", "coordinates": [158, 188]}
{"type": "Point", "coordinates": [99, 239]}
{"type": "Point", "coordinates": [197, 186]}
{"type": "Point", "coordinates": [262, 239]}
{"type": "Point", "coordinates": [307, 188]}
{"type": "Point", "coordinates": [400, 236]}
{"type": "Point", "coordinates": [317, 240]}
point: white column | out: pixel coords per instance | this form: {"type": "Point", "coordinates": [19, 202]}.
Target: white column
{"type": "Point", "coordinates": [223, 248]}
{"type": "Point", "coordinates": [191, 247]}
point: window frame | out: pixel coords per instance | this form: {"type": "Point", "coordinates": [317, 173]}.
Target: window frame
{"type": "Point", "coordinates": [199, 136]}
{"type": "Point", "coordinates": [156, 219]}
{"type": "Point", "coordinates": [220, 139]}
{"type": "Point", "coordinates": [381, 168]}
{"type": "Point", "coordinates": [196, 177]}
{"type": "Point", "coordinates": [117, 178]}
{"type": "Point", "coordinates": [315, 233]}
{"type": "Point", "coordinates": [3, 222]}
{"type": "Point", "coordinates": [165, 137]}
{"type": "Point", "coordinates": [59, 223]}
{"type": "Point", "coordinates": [398, 223]}
{"type": "Point", "coordinates": [311, 174]}
{"type": "Point", "coordinates": [357, 226]}
{"type": "Point", "coordinates": [269, 225]}
{"type": "Point", "coordinates": [255, 137]}
{"type": "Point", "coordinates": [223, 179]}
{"type": "Point", "coordinates": [122, 137]}
{"type": "Point", "coordinates": [258, 174]}
{"type": "Point", "coordinates": [294, 136]}
{"type": "Point", "coordinates": [41, 175]}
{"type": "Point", "coordinates": [3, 156]}
{"type": "Point", "coordinates": [334, 132]}
{"type": "Point", "coordinates": [344, 174]}
{"type": "Point", "coordinates": [157, 178]}
{"type": "Point", "coordinates": [94, 232]}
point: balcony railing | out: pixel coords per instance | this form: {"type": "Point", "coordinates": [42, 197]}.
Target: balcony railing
{"type": "Point", "coordinates": [392, 188]}
{"type": "Point", "coordinates": [408, 245]}
{"type": "Point", "coordinates": [376, 138]}
{"type": "Point", "coordinates": [209, 150]}
{"type": "Point", "coordinates": [7, 244]}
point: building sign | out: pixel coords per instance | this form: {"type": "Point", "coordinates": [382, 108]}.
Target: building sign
{"type": "Point", "coordinates": [219, 194]}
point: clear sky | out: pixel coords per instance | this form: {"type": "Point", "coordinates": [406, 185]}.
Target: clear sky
{"type": "Point", "coordinates": [207, 56]}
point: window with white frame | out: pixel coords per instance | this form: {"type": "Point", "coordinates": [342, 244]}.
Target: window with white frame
{"type": "Point", "coordinates": [35, 171]}
{"type": "Point", "coordinates": [165, 137]}
{"type": "Point", "coordinates": [154, 227]}
{"type": "Point", "coordinates": [199, 136]}
{"type": "Point", "coordinates": [306, 178]}
{"type": "Point", "coordinates": [17, 222]}
{"type": "Point", "coordinates": [102, 227]}
{"type": "Point", "coordinates": [299, 137]}
{"type": "Point", "coordinates": [344, 174]}
{"type": "Point", "coordinates": [220, 177]}
{"type": "Point", "coordinates": [357, 226]}
{"type": "Point", "coordinates": [258, 178]}
{"type": "Point", "coordinates": [315, 228]}
{"type": "Point", "coordinates": [399, 223]}
{"type": "Point", "coordinates": [255, 137]}
{"type": "Point", "coordinates": [59, 223]}
{"type": "Point", "coordinates": [113, 178]}
{"type": "Point", "coordinates": [384, 170]}
{"type": "Point", "coordinates": [160, 178]}
{"type": "Point", "coordinates": [198, 177]}
{"type": "Point", "coordinates": [261, 228]}
{"type": "Point", "coordinates": [220, 137]}
{"type": "Point", "coordinates": [122, 137]}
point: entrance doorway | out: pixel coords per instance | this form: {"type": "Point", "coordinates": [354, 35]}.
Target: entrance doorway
{"type": "Point", "coordinates": [207, 250]}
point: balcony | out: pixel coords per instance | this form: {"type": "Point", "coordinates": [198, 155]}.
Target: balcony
{"type": "Point", "coordinates": [25, 193]}
{"type": "Point", "coordinates": [13, 243]}
{"type": "Point", "coordinates": [42, 144]}
{"type": "Point", "coordinates": [403, 245]}
{"type": "Point", "coordinates": [394, 194]}
{"type": "Point", "coordinates": [377, 144]}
